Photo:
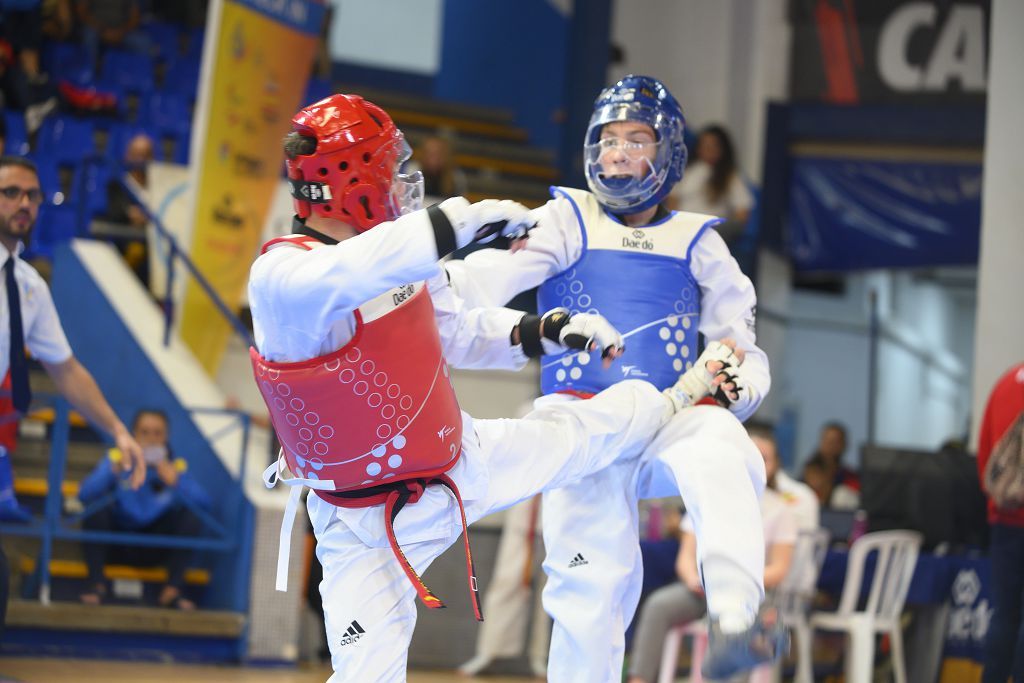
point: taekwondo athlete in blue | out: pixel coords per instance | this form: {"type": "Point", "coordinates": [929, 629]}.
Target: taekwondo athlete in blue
{"type": "Point", "coordinates": [662, 278]}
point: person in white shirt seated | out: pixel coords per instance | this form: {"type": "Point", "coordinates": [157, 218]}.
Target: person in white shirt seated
{"type": "Point", "coordinates": [800, 497]}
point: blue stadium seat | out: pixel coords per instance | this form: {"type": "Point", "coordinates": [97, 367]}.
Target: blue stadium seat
{"type": "Point", "coordinates": [196, 36]}
{"type": "Point", "coordinates": [172, 147]}
{"type": "Point", "coordinates": [68, 61]}
{"type": "Point", "coordinates": [90, 187]}
{"type": "Point", "coordinates": [16, 141]}
{"type": "Point", "coordinates": [166, 112]}
{"type": "Point", "coordinates": [130, 70]}
{"type": "Point", "coordinates": [67, 139]}
{"type": "Point", "coordinates": [104, 130]}
{"type": "Point", "coordinates": [182, 78]}
{"type": "Point", "coordinates": [49, 177]}
{"type": "Point", "coordinates": [55, 225]}
{"type": "Point", "coordinates": [166, 37]}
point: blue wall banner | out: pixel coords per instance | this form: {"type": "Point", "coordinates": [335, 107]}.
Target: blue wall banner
{"type": "Point", "coordinates": [860, 213]}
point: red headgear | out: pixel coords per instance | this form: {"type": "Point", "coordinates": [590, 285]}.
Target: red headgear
{"type": "Point", "coordinates": [353, 176]}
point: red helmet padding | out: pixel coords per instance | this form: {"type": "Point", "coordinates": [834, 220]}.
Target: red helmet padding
{"type": "Point", "coordinates": [357, 149]}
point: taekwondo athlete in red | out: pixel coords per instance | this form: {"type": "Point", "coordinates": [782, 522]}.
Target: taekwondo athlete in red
{"type": "Point", "coordinates": [355, 325]}
{"type": "Point", "coordinates": [663, 278]}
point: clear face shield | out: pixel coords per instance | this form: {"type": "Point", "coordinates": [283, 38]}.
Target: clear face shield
{"type": "Point", "coordinates": [406, 188]}
{"type": "Point", "coordinates": [620, 192]}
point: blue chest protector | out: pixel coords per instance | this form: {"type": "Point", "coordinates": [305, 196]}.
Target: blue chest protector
{"type": "Point", "coordinates": [640, 280]}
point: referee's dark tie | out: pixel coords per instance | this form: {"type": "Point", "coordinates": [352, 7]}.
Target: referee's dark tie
{"type": "Point", "coordinates": [21, 394]}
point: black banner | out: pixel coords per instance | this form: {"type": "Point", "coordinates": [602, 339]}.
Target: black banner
{"type": "Point", "coordinates": [856, 51]}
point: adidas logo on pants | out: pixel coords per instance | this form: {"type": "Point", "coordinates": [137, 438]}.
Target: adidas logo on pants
{"type": "Point", "coordinates": [577, 561]}
{"type": "Point", "coordinates": [352, 634]}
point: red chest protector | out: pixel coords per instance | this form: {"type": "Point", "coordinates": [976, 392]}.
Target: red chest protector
{"type": "Point", "coordinates": [375, 421]}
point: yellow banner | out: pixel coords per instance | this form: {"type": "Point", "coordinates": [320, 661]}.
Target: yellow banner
{"type": "Point", "coordinates": [254, 76]}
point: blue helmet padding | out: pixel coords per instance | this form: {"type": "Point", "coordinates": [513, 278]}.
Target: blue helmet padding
{"type": "Point", "coordinates": [647, 100]}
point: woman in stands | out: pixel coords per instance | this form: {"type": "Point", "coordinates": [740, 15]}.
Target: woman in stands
{"type": "Point", "coordinates": [160, 506]}
{"type": "Point", "coordinates": [713, 183]}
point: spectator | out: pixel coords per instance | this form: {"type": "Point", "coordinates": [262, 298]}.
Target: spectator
{"type": "Point", "coordinates": [441, 178]}
{"type": "Point", "coordinates": [124, 210]}
{"type": "Point", "coordinates": [23, 83]}
{"type": "Point", "coordinates": [58, 19]}
{"type": "Point", "coordinates": [837, 486]}
{"type": "Point", "coordinates": [802, 498]}
{"type": "Point", "coordinates": [681, 603]}
{"type": "Point", "coordinates": [818, 480]}
{"type": "Point", "coordinates": [111, 23]}
{"type": "Point", "coordinates": [712, 183]}
{"type": "Point", "coordinates": [160, 506]}
{"type": "Point", "coordinates": [1001, 469]}
{"type": "Point", "coordinates": [22, 22]}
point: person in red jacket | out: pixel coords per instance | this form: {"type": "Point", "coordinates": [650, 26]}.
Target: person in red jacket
{"type": "Point", "coordinates": [999, 448]}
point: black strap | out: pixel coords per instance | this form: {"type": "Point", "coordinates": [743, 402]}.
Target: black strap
{"type": "Point", "coordinates": [299, 227]}
{"type": "Point", "coordinates": [444, 233]}
{"type": "Point", "coordinates": [367, 492]}
{"type": "Point", "coordinates": [310, 191]}
{"type": "Point", "coordinates": [529, 335]}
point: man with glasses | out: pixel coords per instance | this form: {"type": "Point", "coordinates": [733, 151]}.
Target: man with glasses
{"type": "Point", "coordinates": [664, 279]}
{"type": "Point", "coordinates": [28, 319]}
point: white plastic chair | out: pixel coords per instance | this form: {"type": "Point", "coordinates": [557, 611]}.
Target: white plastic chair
{"type": "Point", "coordinates": [670, 651]}
{"type": "Point", "coordinates": [793, 598]}
{"type": "Point", "coordinates": [796, 594]}
{"type": "Point", "coordinates": [894, 567]}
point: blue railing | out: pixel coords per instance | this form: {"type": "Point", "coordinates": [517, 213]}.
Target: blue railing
{"type": "Point", "coordinates": [174, 253]}
{"type": "Point", "coordinates": [55, 526]}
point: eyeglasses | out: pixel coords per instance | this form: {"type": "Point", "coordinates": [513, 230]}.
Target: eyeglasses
{"type": "Point", "coordinates": [631, 148]}
{"type": "Point", "coordinates": [15, 193]}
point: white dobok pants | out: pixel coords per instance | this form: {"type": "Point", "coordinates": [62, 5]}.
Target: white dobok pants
{"type": "Point", "coordinates": [503, 462]}
{"type": "Point", "coordinates": [591, 534]}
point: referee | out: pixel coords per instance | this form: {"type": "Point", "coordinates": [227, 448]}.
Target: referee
{"type": "Point", "coordinates": [28, 319]}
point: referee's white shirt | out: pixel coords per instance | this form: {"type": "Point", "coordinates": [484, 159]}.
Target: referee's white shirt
{"type": "Point", "coordinates": [44, 336]}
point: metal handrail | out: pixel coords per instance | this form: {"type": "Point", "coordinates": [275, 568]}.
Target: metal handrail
{"type": "Point", "coordinates": [174, 251]}
{"type": "Point", "coordinates": [52, 525]}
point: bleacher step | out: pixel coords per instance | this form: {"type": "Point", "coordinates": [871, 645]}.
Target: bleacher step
{"type": "Point", "coordinates": [391, 99]}
{"type": "Point", "coordinates": [73, 569]}
{"type": "Point", "coordinates": [38, 487]}
{"type": "Point", "coordinates": [463, 126]}
{"type": "Point", "coordinates": [121, 619]}
{"type": "Point", "coordinates": [31, 459]}
{"type": "Point", "coordinates": [491, 149]}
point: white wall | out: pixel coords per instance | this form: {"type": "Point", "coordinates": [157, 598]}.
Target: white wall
{"type": "Point", "coordinates": [401, 35]}
{"type": "Point", "coordinates": [722, 60]}
{"type": "Point", "coordinates": [923, 367]}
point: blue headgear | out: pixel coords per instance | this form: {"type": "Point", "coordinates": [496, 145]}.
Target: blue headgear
{"type": "Point", "coordinates": [646, 100]}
